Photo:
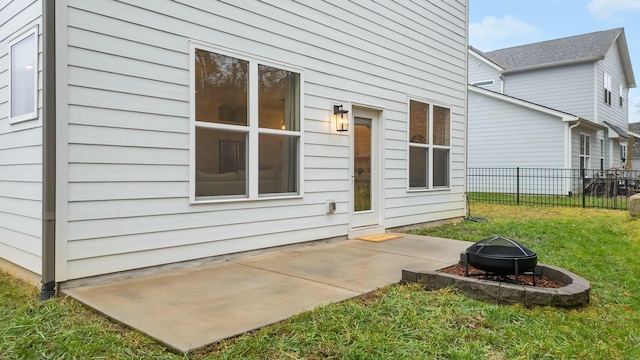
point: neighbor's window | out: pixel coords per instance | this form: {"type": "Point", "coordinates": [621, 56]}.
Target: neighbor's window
{"type": "Point", "coordinates": [585, 151]}
{"type": "Point", "coordinates": [23, 55]}
{"type": "Point", "coordinates": [621, 96]}
{"type": "Point", "coordinates": [429, 145]}
{"type": "Point", "coordinates": [483, 83]}
{"type": "Point", "coordinates": [232, 123]}
{"type": "Point", "coordinates": [607, 89]}
{"type": "Point", "coordinates": [601, 141]}
{"type": "Point", "coordinates": [623, 152]}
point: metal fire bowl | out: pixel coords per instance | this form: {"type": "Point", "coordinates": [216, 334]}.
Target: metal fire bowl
{"type": "Point", "coordinates": [498, 260]}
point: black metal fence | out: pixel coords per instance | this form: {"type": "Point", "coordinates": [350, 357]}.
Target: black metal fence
{"type": "Point", "coordinates": [605, 189]}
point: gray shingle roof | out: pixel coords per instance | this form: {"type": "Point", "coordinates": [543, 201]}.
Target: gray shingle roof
{"type": "Point", "coordinates": [620, 131]}
{"type": "Point", "coordinates": [577, 48]}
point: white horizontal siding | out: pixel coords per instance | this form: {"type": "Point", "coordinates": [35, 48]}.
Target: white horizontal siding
{"type": "Point", "coordinates": [502, 134]}
{"type": "Point", "coordinates": [479, 70]}
{"type": "Point", "coordinates": [20, 151]}
{"type": "Point", "coordinates": [614, 113]}
{"type": "Point", "coordinates": [129, 120]}
{"type": "Point", "coordinates": [566, 88]}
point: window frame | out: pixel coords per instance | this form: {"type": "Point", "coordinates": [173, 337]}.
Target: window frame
{"type": "Point", "coordinates": [623, 151]}
{"type": "Point", "coordinates": [602, 152]}
{"type": "Point", "coordinates": [32, 31]}
{"type": "Point", "coordinates": [607, 88]}
{"type": "Point", "coordinates": [252, 128]}
{"type": "Point", "coordinates": [587, 147]}
{"type": "Point", "coordinates": [621, 97]}
{"type": "Point", "coordinates": [429, 146]}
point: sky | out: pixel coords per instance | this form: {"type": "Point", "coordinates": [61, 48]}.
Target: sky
{"type": "Point", "coordinates": [497, 24]}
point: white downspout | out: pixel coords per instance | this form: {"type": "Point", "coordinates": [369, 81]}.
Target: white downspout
{"type": "Point", "coordinates": [567, 153]}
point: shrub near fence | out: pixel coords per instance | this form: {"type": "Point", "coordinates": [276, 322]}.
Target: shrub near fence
{"type": "Point", "coordinates": [605, 189]}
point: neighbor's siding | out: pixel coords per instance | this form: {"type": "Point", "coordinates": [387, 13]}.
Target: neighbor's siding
{"type": "Point", "coordinates": [129, 119]}
{"type": "Point", "coordinates": [502, 134]}
{"type": "Point", "coordinates": [20, 152]}
{"type": "Point", "coordinates": [479, 70]}
{"type": "Point", "coordinates": [566, 88]}
{"type": "Point", "coordinates": [614, 113]}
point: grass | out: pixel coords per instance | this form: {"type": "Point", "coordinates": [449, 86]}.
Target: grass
{"type": "Point", "coordinates": [619, 202]}
{"type": "Point", "coordinates": [398, 322]}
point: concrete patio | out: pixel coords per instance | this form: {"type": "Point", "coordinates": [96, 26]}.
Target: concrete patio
{"type": "Point", "coordinates": [190, 308]}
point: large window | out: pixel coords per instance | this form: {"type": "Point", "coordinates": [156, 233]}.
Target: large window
{"type": "Point", "coordinates": [585, 151]}
{"type": "Point", "coordinates": [23, 55]}
{"type": "Point", "coordinates": [429, 146]}
{"type": "Point", "coordinates": [246, 117]}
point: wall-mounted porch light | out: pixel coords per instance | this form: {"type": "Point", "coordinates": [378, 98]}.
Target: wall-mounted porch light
{"type": "Point", "coordinates": [342, 122]}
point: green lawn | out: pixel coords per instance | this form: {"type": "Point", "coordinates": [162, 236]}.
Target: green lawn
{"type": "Point", "coordinates": [398, 322]}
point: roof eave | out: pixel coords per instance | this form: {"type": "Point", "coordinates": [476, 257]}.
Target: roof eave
{"type": "Point", "coordinates": [625, 58]}
{"type": "Point", "coordinates": [554, 64]}
{"type": "Point", "coordinates": [484, 59]}
{"type": "Point", "coordinates": [527, 104]}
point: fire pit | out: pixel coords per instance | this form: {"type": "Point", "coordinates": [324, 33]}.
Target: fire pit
{"type": "Point", "coordinates": [501, 256]}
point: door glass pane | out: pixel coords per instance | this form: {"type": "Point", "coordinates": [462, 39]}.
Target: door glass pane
{"type": "Point", "coordinates": [278, 99]}
{"type": "Point", "coordinates": [362, 164]}
{"type": "Point", "coordinates": [220, 163]}
{"type": "Point", "coordinates": [278, 164]}
{"type": "Point", "coordinates": [221, 84]}
{"type": "Point", "coordinates": [418, 167]}
{"type": "Point", "coordinates": [23, 72]}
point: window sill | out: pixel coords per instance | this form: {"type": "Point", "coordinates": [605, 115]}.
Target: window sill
{"type": "Point", "coordinates": [428, 190]}
{"type": "Point", "coordinates": [23, 118]}
{"type": "Point", "coordinates": [241, 200]}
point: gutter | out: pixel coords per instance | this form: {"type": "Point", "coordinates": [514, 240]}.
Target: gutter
{"type": "Point", "coordinates": [48, 289]}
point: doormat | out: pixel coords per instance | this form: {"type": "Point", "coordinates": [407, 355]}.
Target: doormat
{"type": "Point", "coordinates": [379, 237]}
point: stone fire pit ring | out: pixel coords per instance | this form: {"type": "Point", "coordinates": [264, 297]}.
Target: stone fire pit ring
{"type": "Point", "coordinates": [575, 291]}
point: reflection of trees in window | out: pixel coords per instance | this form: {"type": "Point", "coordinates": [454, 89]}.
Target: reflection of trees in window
{"type": "Point", "coordinates": [278, 97]}
{"type": "Point", "coordinates": [224, 165]}
{"type": "Point", "coordinates": [429, 160]}
{"type": "Point", "coordinates": [221, 88]}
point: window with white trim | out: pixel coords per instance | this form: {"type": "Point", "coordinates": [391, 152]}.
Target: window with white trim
{"type": "Point", "coordinates": [429, 146]}
{"type": "Point", "coordinates": [607, 89]}
{"type": "Point", "coordinates": [601, 141]}
{"type": "Point", "coordinates": [621, 96]}
{"type": "Point", "coordinates": [23, 83]}
{"type": "Point", "coordinates": [623, 151]}
{"type": "Point", "coordinates": [585, 151]}
{"type": "Point", "coordinates": [246, 122]}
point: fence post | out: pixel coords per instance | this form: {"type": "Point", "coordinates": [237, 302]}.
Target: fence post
{"type": "Point", "coordinates": [584, 187]}
{"type": "Point", "coordinates": [518, 185]}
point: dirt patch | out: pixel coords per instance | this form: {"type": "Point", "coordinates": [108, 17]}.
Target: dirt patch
{"type": "Point", "coordinates": [541, 281]}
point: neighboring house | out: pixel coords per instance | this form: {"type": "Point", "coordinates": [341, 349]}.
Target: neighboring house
{"type": "Point", "coordinates": [634, 130]}
{"type": "Point", "coordinates": [556, 104]}
{"type": "Point", "coordinates": [139, 134]}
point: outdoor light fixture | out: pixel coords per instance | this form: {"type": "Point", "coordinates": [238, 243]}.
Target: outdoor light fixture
{"type": "Point", "coordinates": [342, 123]}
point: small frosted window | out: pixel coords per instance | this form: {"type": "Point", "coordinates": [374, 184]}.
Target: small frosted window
{"type": "Point", "coordinates": [23, 105]}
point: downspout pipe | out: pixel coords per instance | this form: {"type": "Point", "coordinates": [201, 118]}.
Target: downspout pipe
{"type": "Point", "coordinates": [48, 289]}
{"type": "Point", "coordinates": [567, 160]}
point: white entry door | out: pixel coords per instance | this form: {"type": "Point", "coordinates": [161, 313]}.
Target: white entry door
{"type": "Point", "coordinates": [365, 158]}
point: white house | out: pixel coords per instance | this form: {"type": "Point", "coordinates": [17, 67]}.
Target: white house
{"type": "Point", "coordinates": [556, 104]}
{"type": "Point", "coordinates": [135, 134]}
